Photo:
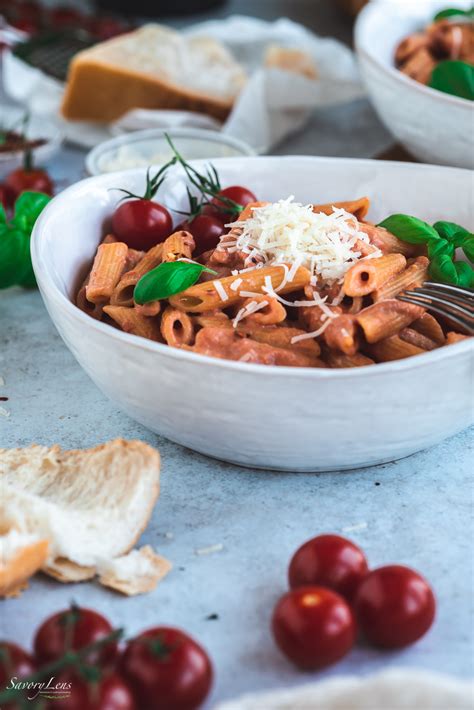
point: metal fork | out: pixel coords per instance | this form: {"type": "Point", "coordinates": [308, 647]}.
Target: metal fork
{"type": "Point", "coordinates": [454, 303]}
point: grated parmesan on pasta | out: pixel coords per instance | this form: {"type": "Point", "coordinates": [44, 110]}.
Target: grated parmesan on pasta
{"type": "Point", "coordinates": [289, 232]}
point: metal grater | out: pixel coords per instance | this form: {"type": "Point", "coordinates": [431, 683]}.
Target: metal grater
{"type": "Point", "coordinates": [52, 52]}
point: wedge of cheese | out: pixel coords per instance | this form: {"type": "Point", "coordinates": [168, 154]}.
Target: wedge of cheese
{"type": "Point", "coordinates": [153, 67]}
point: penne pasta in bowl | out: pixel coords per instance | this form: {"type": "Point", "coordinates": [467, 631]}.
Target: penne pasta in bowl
{"type": "Point", "coordinates": [283, 345]}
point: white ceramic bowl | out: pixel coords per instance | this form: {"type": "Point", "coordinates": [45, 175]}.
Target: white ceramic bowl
{"type": "Point", "coordinates": [434, 126]}
{"type": "Point", "coordinates": [140, 148]}
{"type": "Point", "coordinates": [279, 418]}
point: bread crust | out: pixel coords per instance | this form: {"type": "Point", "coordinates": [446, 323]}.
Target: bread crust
{"type": "Point", "coordinates": [15, 572]}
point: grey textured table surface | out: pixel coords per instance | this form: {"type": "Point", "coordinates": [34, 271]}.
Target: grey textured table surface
{"type": "Point", "coordinates": [417, 511]}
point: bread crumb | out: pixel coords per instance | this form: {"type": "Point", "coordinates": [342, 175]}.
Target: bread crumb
{"type": "Point", "coordinates": [354, 528]}
{"type": "Point", "coordinates": [4, 412]}
{"type": "Point", "coordinates": [209, 550]}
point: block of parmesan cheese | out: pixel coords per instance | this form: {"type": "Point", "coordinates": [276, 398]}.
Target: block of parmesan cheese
{"type": "Point", "coordinates": [153, 67]}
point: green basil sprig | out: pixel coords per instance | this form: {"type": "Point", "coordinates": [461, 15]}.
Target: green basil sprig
{"type": "Point", "coordinates": [455, 78]}
{"type": "Point", "coordinates": [167, 279]}
{"type": "Point", "coordinates": [454, 12]}
{"type": "Point", "coordinates": [15, 260]}
{"type": "Point", "coordinates": [442, 239]}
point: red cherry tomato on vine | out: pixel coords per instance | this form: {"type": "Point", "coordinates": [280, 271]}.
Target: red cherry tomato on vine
{"type": "Point", "coordinates": [329, 561]}
{"type": "Point", "coordinates": [21, 180]}
{"type": "Point", "coordinates": [236, 193]}
{"type": "Point", "coordinates": [206, 231]}
{"type": "Point", "coordinates": [73, 628]}
{"type": "Point", "coordinates": [107, 693]}
{"type": "Point", "coordinates": [167, 669]}
{"type": "Point", "coordinates": [394, 606]}
{"type": "Point", "coordinates": [14, 663]}
{"type": "Point", "coordinates": [313, 626]}
{"type": "Point", "coordinates": [141, 223]}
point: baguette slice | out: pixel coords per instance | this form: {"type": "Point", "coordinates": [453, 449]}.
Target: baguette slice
{"type": "Point", "coordinates": [296, 61]}
{"type": "Point", "coordinates": [90, 506]}
{"type": "Point", "coordinates": [153, 67]}
{"type": "Point", "coordinates": [21, 555]}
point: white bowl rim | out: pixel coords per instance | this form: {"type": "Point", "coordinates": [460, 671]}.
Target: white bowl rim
{"type": "Point", "coordinates": [93, 156]}
{"type": "Point", "coordinates": [402, 366]}
{"type": "Point", "coordinates": [392, 71]}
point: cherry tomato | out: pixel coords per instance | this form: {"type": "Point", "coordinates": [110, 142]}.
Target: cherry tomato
{"type": "Point", "coordinates": [236, 193]}
{"type": "Point", "coordinates": [313, 626]}
{"type": "Point", "coordinates": [21, 180]}
{"type": "Point", "coordinates": [329, 561]}
{"type": "Point", "coordinates": [167, 670]}
{"type": "Point", "coordinates": [73, 628]}
{"type": "Point", "coordinates": [25, 25]}
{"type": "Point", "coordinates": [141, 223]}
{"type": "Point", "coordinates": [106, 27]}
{"type": "Point", "coordinates": [63, 17]}
{"type": "Point", "coordinates": [206, 231]}
{"type": "Point", "coordinates": [395, 606]}
{"type": "Point", "coordinates": [30, 11]}
{"type": "Point", "coordinates": [14, 663]}
{"type": "Point", "coordinates": [109, 693]}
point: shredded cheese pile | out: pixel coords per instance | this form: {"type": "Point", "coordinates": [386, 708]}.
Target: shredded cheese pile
{"type": "Point", "coordinates": [291, 233]}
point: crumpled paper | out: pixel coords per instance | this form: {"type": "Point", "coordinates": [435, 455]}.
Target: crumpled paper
{"type": "Point", "coordinates": [273, 104]}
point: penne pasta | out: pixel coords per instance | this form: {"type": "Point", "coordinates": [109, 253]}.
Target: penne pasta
{"type": "Point", "coordinates": [358, 208]}
{"type": "Point", "coordinates": [452, 337]}
{"type": "Point", "coordinates": [393, 348]}
{"type": "Point", "coordinates": [131, 321]}
{"type": "Point", "coordinates": [428, 325]}
{"type": "Point", "coordinates": [272, 314]}
{"type": "Point", "coordinates": [123, 292]}
{"type": "Point", "coordinates": [153, 308]}
{"type": "Point", "coordinates": [388, 243]}
{"type": "Point", "coordinates": [369, 274]}
{"type": "Point", "coordinates": [386, 318]}
{"type": "Point", "coordinates": [177, 328]}
{"type": "Point", "coordinates": [107, 269]}
{"type": "Point", "coordinates": [342, 334]}
{"type": "Point", "coordinates": [281, 337]}
{"type": "Point", "coordinates": [410, 335]}
{"type": "Point", "coordinates": [179, 245]}
{"type": "Point", "coordinates": [338, 360]}
{"type": "Point", "coordinates": [414, 275]}
{"type": "Point", "coordinates": [225, 343]}
{"type": "Point", "coordinates": [92, 309]}
{"type": "Point", "coordinates": [205, 297]}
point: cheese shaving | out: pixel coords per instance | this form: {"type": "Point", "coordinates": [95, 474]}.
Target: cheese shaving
{"type": "Point", "coordinates": [220, 290]}
{"type": "Point", "coordinates": [290, 232]}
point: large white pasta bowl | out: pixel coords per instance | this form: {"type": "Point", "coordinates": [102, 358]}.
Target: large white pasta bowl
{"type": "Point", "coordinates": [434, 126]}
{"type": "Point", "coordinates": [278, 418]}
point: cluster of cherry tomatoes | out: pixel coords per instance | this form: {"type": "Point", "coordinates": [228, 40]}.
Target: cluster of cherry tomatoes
{"type": "Point", "coordinates": [333, 593]}
{"type": "Point", "coordinates": [32, 17]}
{"type": "Point", "coordinates": [160, 668]}
{"type": "Point", "coordinates": [142, 223]}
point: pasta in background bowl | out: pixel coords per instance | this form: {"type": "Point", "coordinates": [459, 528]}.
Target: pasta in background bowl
{"type": "Point", "coordinates": [272, 417]}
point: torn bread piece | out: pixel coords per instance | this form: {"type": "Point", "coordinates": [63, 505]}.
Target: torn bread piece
{"type": "Point", "coordinates": [293, 60]}
{"type": "Point", "coordinates": [137, 572]}
{"type": "Point", "coordinates": [90, 505]}
{"type": "Point", "coordinates": [21, 555]}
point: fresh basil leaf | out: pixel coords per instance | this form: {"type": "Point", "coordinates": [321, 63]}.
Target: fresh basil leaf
{"type": "Point", "coordinates": [467, 245]}
{"type": "Point", "coordinates": [448, 230]}
{"type": "Point", "coordinates": [442, 269]}
{"type": "Point", "coordinates": [167, 279]}
{"type": "Point", "coordinates": [440, 247]}
{"type": "Point", "coordinates": [3, 215]}
{"type": "Point", "coordinates": [28, 208]}
{"type": "Point", "coordinates": [465, 274]}
{"type": "Point", "coordinates": [453, 12]}
{"type": "Point", "coordinates": [14, 256]}
{"type": "Point", "coordinates": [409, 229]}
{"type": "Point", "coordinates": [454, 77]}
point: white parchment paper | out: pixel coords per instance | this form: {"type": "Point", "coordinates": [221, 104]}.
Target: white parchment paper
{"type": "Point", "coordinates": [273, 104]}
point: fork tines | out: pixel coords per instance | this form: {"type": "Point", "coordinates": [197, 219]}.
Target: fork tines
{"type": "Point", "coordinates": [452, 302]}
